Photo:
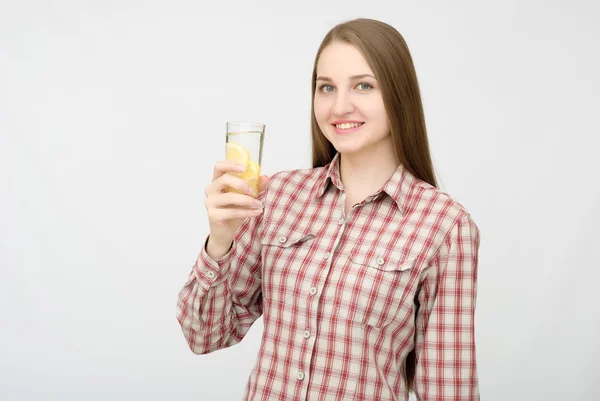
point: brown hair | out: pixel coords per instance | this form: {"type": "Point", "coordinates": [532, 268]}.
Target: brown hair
{"type": "Point", "coordinates": [387, 54]}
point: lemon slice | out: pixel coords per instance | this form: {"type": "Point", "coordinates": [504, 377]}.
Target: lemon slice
{"type": "Point", "coordinates": [252, 175]}
{"type": "Point", "coordinates": [237, 153]}
{"type": "Point", "coordinates": [252, 170]}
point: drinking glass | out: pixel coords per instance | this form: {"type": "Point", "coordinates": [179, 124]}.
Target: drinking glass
{"type": "Point", "coordinates": [244, 145]}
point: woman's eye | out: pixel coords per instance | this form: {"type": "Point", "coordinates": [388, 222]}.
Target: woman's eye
{"type": "Point", "coordinates": [326, 88]}
{"type": "Point", "coordinates": [364, 86]}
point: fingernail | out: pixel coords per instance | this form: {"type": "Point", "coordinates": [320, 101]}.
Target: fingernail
{"type": "Point", "coordinates": [240, 167]}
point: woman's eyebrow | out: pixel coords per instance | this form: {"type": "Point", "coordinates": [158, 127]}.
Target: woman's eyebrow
{"type": "Point", "coordinates": [352, 78]}
{"type": "Point", "coordinates": [355, 77]}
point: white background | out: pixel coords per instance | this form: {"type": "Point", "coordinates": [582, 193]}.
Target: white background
{"type": "Point", "coordinates": [112, 114]}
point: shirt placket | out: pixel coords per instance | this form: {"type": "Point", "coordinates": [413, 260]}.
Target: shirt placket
{"type": "Point", "coordinates": [320, 272]}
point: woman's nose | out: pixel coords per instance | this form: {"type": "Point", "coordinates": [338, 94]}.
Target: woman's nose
{"type": "Point", "coordinates": [343, 104]}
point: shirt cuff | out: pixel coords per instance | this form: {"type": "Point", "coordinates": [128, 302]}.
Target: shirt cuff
{"type": "Point", "coordinates": [207, 269]}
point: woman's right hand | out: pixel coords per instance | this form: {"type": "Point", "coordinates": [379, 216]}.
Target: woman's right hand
{"type": "Point", "coordinates": [228, 210]}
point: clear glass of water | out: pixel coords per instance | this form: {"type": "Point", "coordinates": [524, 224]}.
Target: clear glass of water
{"type": "Point", "coordinates": [244, 145]}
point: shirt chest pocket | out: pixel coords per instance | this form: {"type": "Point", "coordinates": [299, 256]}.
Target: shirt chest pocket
{"type": "Point", "coordinates": [383, 284]}
{"type": "Point", "coordinates": [284, 254]}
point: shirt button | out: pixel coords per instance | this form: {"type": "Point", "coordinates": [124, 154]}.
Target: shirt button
{"type": "Point", "coordinates": [313, 291]}
{"type": "Point", "coordinates": [341, 221]}
{"type": "Point", "coordinates": [326, 255]}
{"type": "Point", "coordinates": [300, 375]}
{"type": "Point", "coordinates": [211, 274]}
{"type": "Point", "coordinates": [306, 334]}
{"type": "Point", "coordinates": [380, 261]}
{"type": "Point", "coordinates": [282, 239]}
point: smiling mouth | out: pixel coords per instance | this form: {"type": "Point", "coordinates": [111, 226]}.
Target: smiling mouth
{"type": "Point", "coordinates": [347, 125]}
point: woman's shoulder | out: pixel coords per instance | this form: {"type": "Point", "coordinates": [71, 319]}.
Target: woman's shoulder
{"type": "Point", "coordinates": [293, 184]}
{"type": "Point", "coordinates": [436, 200]}
{"type": "Point", "coordinates": [296, 177]}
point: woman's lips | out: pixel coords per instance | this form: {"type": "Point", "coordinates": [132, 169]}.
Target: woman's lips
{"type": "Point", "coordinates": [346, 131]}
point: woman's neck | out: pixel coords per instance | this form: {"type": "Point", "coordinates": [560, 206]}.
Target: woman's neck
{"type": "Point", "coordinates": [363, 173]}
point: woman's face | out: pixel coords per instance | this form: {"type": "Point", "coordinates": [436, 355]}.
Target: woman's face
{"type": "Point", "coordinates": [348, 103]}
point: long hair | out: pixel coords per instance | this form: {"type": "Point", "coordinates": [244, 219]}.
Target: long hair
{"type": "Point", "coordinates": [387, 54]}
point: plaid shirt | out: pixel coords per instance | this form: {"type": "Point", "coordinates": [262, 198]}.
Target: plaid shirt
{"type": "Point", "coordinates": [344, 297]}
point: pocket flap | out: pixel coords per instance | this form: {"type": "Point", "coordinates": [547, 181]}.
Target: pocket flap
{"type": "Point", "coordinates": [382, 258]}
{"type": "Point", "coordinates": [286, 238]}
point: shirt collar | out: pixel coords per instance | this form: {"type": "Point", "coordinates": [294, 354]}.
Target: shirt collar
{"type": "Point", "coordinates": [399, 186]}
{"type": "Point", "coordinates": [329, 173]}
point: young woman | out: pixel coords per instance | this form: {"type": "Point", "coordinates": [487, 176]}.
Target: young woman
{"type": "Point", "coordinates": [364, 271]}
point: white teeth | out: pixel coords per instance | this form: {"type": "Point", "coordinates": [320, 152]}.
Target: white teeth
{"type": "Point", "coordinates": [348, 125]}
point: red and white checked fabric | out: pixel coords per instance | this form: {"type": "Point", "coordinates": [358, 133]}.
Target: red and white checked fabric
{"type": "Point", "coordinates": [345, 297]}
